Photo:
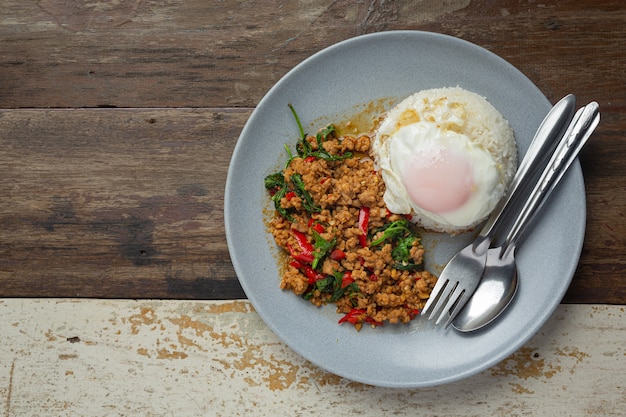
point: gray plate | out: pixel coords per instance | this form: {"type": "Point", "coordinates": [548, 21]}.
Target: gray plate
{"type": "Point", "coordinates": [329, 85]}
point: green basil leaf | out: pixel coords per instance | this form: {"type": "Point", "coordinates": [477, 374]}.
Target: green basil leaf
{"type": "Point", "coordinates": [322, 248]}
{"type": "Point", "coordinates": [307, 200]}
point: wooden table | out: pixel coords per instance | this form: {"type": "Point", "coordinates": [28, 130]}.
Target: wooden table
{"type": "Point", "coordinates": [117, 122]}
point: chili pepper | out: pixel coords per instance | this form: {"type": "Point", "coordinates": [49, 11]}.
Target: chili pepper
{"type": "Point", "coordinates": [373, 277]}
{"type": "Point", "coordinates": [306, 254]}
{"type": "Point", "coordinates": [353, 316]}
{"type": "Point", "coordinates": [290, 195]}
{"type": "Point", "coordinates": [337, 255]}
{"type": "Point", "coordinates": [310, 159]}
{"type": "Point", "coordinates": [356, 316]}
{"type": "Point", "coordinates": [305, 247]}
{"type": "Point", "coordinates": [346, 279]}
{"type": "Point", "coordinates": [303, 257]}
{"type": "Point", "coordinates": [308, 272]}
{"type": "Point", "coordinates": [364, 219]}
{"type": "Point", "coordinates": [311, 274]}
{"type": "Point", "coordinates": [318, 228]}
{"type": "Point", "coordinates": [413, 313]}
{"type": "Point", "coordinates": [373, 322]}
{"type": "Point", "coordinates": [296, 264]}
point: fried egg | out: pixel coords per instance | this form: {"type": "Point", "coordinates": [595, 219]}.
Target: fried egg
{"type": "Point", "coordinates": [446, 156]}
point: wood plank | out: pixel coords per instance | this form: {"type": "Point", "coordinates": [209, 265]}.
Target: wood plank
{"type": "Point", "coordinates": [195, 53]}
{"type": "Point", "coordinates": [128, 203]}
{"type": "Point", "coordinates": [154, 358]}
{"type": "Point", "coordinates": [116, 203]}
{"type": "Point", "coordinates": [605, 236]}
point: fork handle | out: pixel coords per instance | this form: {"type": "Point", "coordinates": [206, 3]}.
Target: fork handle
{"type": "Point", "coordinates": [549, 132]}
{"type": "Point", "coordinates": [583, 125]}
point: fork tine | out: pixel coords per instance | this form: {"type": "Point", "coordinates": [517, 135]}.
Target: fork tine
{"type": "Point", "coordinates": [451, 301]}
{"type": "Point", "coordinates": [443, 298]}
{"type": "Point", "coordinates": [457, 307]}
{"type": "Point", "coordinates": [440, 285]}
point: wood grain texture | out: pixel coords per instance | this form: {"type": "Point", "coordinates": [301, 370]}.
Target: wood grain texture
{"type": "Point", "coordinates": [128, 203]}
{"type": "Point", "coordinates": [120, 203]}
{"type": "Point", "coordinates": [195, 53]}
{"type": "Point", "coordinates": [118, 119]}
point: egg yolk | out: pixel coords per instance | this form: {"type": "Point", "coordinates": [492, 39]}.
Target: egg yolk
{"type": "Point", "coordinates": [438, 180]}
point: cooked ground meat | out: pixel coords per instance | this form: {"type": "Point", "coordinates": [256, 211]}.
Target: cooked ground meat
{"type": "Point", "coordinates": [343, 245]}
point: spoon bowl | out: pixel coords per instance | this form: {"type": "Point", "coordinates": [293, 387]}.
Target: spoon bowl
{"type": "Point", "coordinates": [494, 293]}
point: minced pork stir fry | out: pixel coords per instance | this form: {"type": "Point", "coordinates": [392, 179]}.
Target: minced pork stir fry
{"type": "Point", "coordinates": [343, 246]}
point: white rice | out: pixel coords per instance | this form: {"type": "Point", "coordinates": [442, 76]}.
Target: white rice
{"type": "Point", "coordinates": [464, 112]}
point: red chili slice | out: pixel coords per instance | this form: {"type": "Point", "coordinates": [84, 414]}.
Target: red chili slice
{"type": "Point", "coordinates": [312, 275]}
{"type": "Point", "coordinates": [303, 257]}
{"type": "Point", "coordinates": [296, 264]}
{"type": "Point", "coordinates": [370, 320]}
{"type": "Point", "coordinates": [353, 316]}
{"type": "Point", "coordinates": [346, 279]}
{"type": "Point", "coordinates": [337, 255]}
{"type": "Point", "coordinates": [364, 219]}
{"type": "Point", "coordinates": [356, 315]}
{"type": "Point", "coordinates": [305, 247]}
{"type": "Point", "coordinates": [413, 312]}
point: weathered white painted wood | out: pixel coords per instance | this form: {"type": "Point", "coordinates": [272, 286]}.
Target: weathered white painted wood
{"type": "Point", "coordinates": [181, 358]}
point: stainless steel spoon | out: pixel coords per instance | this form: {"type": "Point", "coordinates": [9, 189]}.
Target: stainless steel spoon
{"type": "Point", "coordinates": [500, 278]}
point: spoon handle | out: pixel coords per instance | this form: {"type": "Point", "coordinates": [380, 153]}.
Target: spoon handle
{"type": "Point", "coordinates": [544, 141]}
{"type": "Point", "coordinates": [579, 131]}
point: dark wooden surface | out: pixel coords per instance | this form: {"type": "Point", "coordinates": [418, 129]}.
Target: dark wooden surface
{"type": "Point", "coordinates": [118, 119]}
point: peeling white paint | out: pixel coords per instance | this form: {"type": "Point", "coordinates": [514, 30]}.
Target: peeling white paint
{"type": "Point", "coordinates": [156, 358]}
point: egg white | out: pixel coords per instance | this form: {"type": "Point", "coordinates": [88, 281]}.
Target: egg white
{"type": "Point", "coordinates": [425, 138]}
